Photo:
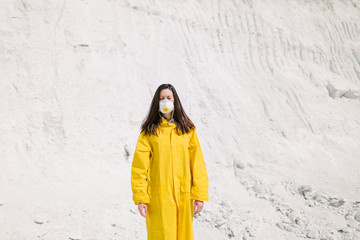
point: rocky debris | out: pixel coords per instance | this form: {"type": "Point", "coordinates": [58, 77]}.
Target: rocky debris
{"type": "Point", "coordinates": [231, 223]}
{"type": "Point", "coordinates": [356, 205]}
{"type": "Point", "coordinates": [39, 219]}
{"type": "Point", "coordinates": [41, 234]}
{"type": "Point", "coordinates": [75, 237]}
{"type": "Point", "coordinates": [336, 93]}
{"type": "Point", "coordinates": [126, 152]}
{"type": "Point", "coordinates": [321, 197]}
{"type": "Point", "coordinates": [287, 226]}
{"type": "Point", "coordinates": [219, 223]}
{"type": "Point", "coordinates": [294, 215]}
{"type": "Point", "coordinates": [353, 224]}
{"type": "Point", "coordinates": [293, 218]}
{"type": "Point", "coordinates": [250, 231]}
{"type": "Point", "coordinates": [327, 236]}
{"type": "Point", "coordinates": [305, 191]}
{"type": "Point", "coordinates": [300, 223]}
{"type": "Point", "coordinates": [342, 230]}
{"type": "Point", "coordinates": [231, 233]}
{"type": "Point", "coordinates": [327, 202]}
{"type": "Point", "coordinates": [357, 216]}
{"type": "Point", "coordinates": [259, 188]}
{"type": "Point", "coordinates": [238, 164]}
{"type": "Point", "coordinates": [336, 202]}
{"type": "Point", "coordinates": [312, 233]}
{"type": "Point", "coordinates": [349, 215]}
{"type": "Point", "coordinates": [75, 234]}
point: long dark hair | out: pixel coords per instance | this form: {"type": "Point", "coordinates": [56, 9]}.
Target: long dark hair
{"type": "Point", "coordinates": [151, 123]}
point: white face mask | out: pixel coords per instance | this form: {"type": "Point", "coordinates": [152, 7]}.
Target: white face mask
{"type": "Point", "coordinates": [166, 106]}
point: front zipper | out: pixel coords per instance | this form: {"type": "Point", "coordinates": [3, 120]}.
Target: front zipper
{"type": "Point", "coordinates": [172, 166]}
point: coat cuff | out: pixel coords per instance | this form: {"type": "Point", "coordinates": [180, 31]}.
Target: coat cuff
{"type": "Point", "coordinates": [199, 194]}
{"type": "Point", "coordinates": [143, 199]}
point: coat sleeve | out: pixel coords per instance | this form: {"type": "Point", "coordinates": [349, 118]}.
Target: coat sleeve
{"type": "Point", "coordinates": [139, 170]}
{"type": "Point", "coordinates": [200, 182]}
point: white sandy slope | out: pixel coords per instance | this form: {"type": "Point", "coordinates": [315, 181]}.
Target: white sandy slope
{"type": "Point", "coordinates": [272, 86]}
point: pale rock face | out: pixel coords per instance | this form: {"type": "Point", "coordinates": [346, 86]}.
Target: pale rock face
{"type": "Point", "coordinates": [272, 87]}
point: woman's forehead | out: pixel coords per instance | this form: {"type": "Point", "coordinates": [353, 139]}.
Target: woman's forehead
{"type": "Point", "coordinates": [166, 92]}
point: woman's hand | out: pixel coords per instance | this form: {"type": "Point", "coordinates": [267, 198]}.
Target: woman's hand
{"type": "Point", "coordinates": [198, 206]}
{"type": "Point", "coordinates": [143, 209]}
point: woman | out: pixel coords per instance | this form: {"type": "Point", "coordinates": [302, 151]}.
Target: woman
{"type": "Point", "coordinates": [169, 180]}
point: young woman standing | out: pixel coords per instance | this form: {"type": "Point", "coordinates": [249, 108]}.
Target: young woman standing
{"type": "Point", "coordinates": [169, 180]}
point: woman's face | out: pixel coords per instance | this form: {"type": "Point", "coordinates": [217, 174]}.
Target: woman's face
{"type": "Point", "coordinates": [166, 94]}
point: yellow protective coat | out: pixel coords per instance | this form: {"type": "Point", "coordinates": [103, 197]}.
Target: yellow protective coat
{"type": "Point", "coordinates": [168, 172]}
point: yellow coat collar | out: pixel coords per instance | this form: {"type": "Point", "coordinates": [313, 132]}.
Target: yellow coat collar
{"type": "Point", "coordinates": [165, 123]}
